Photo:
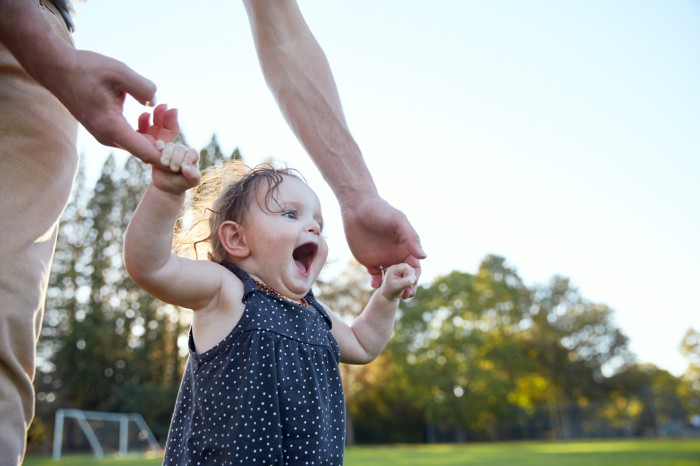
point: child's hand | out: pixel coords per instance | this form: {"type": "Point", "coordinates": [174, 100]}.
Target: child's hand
{"type": "Point", "coordinates": [180, 170]}
{"type": "Point", "coordinates": [165, 126]}
{"type": "Point", "coordinates": [397, 279]}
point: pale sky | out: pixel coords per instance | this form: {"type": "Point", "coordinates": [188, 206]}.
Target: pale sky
{"type": "Point", "coordinates": [562, 135]}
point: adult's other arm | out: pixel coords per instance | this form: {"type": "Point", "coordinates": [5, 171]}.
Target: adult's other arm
{"type": "Point", "coordinates": [298, 74]}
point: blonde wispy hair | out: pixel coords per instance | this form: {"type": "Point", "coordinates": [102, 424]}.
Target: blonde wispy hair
{"type": "Point", "coordinates": [226, 192]}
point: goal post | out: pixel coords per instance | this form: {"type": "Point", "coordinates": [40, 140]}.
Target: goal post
{"type": "Point", "coordinates": [83, 419]}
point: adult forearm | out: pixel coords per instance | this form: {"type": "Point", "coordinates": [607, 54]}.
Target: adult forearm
{"type": "Point", "coordinates": [32, 40]}
{"type": "Point", "coordinates": [298, 74]}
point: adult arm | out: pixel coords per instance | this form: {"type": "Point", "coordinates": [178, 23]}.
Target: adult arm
{"type": "Point", "coordinates": [299, 77]}
{"type": "Point", "coordinates": [91, 86]}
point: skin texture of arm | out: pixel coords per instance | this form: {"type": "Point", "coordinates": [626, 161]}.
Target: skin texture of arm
{"type": "Point", "coordinates": [202, 286]}
{"type": "Point", "coordinates": [151, 264]}
{"type": "Point", "coordinates": [148, 242]}
{"type": "Point", "coordinates": [365, 339]}
{"type": "Point", "coordinates": [91, 86]}
{"type": "Point", "coordinates": [299, 77]}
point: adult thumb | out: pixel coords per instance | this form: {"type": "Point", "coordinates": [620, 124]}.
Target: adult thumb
{"type": "Point", "coordinates": [138, 145]}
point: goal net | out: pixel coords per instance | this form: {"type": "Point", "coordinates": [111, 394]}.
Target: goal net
{"type": "Point", "coordinates": [102, 432]}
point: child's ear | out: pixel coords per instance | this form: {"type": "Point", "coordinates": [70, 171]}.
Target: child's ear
{"type": "Point", "coordinates": [233, 240]}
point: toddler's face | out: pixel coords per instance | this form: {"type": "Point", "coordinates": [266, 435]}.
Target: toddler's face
{"type": "Point", "coordinates": [285, 241]}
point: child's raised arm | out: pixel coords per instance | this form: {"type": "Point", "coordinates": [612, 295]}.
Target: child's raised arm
{"type": "Point", "coordinates": [149, 237]}
{"type": "Point", "coordinates": [366, 338]}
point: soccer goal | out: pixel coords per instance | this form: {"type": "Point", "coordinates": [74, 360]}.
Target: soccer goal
{"type": "Point", "coordinates": [101, 428]}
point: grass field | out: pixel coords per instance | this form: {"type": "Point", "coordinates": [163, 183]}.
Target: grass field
{"type": "Point", "coordinates": [597, 453]}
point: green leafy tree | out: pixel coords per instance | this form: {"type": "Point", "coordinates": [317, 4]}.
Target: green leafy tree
{"type": "Point", "coordinates": [347, 294]}
{"type": "Point", "coordinates": [377, 408]}
{"type": "Point", "coordinates": [473, 356]}
{"type": "Point", "coordinates": [459, 341]}
{"type": "Point", "coordinates": [655, 396]}
{"type": "Point", "coordinates": [576, 345]}
{"type": "Point", "coordinates": [690, 348]}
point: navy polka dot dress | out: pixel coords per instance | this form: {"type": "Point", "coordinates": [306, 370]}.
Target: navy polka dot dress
{"type": "Point", "coordinates": [269, 393]}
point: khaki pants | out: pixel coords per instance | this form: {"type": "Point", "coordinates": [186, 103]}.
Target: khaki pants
{"type": "Point", "coordinates": [38, 163]}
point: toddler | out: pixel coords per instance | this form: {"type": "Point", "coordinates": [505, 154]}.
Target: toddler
{"type": "Point", "coordinates": [262, 383]}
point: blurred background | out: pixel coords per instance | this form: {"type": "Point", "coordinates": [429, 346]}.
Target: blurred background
{"type": "Point", "coordinates": [547, 153]}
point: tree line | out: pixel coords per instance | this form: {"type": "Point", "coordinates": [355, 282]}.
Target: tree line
{"type": "Point", "coordinates": [474, 356]}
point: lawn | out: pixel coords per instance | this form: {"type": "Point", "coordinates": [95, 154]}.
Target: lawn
{"type": "Point", "coordinates": [598, 453]}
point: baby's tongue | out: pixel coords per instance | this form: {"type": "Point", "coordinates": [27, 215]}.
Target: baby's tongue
{"type": "Point", "coordinates": [300, 265]}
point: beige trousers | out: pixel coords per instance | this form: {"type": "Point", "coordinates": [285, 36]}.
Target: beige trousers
{"type": "Point", "coordinates": [38, 163]}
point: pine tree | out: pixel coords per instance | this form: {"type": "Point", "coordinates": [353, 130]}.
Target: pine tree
{"type": "Point", "coordinates": [66, 298]}
{"type": "Point", "coordinates": [107, 345]}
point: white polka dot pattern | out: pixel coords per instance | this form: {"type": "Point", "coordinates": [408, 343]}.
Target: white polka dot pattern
{"type": "Point", "coordinates": [270, 393]}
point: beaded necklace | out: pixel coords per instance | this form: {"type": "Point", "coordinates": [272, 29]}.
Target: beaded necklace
{"type": "Point", "coordinates": [303, 302]}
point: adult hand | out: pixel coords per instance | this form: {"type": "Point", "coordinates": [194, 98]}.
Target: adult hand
{"type": "Point", "coordinates": [93, 88]}
{"type": "Point", "coordinates": [298, 75]}
{"type": "Point", "coordinates": [380, 236]}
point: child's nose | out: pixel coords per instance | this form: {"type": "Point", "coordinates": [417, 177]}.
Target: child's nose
{"type": "Point", "coordinates": [314, 227]}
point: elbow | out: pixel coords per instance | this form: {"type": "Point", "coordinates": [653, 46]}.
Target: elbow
{"type": "Point", "coordinates": [131, 269]}
{"type": "Point", "coordinates": [361, 356]}
{"type": "Point", "coordinates": [128, 260]}
{"type": "Point", "coordinates": [135, 267]}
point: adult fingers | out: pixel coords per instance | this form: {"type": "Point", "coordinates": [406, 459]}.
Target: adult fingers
{"type": "Point", "coordinates": [140, 88]}
{"type": "Point", "coordinates": [376, 277]}
{"type": "Point", "coordinates": [414, 262]}
{"type": "Point", "coordinates": [132, 141]}
{"type": "Point", "coordinates": [410, 238]}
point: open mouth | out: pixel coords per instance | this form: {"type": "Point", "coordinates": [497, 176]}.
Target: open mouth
{"type": "Point", "coordinates": [304, 255]}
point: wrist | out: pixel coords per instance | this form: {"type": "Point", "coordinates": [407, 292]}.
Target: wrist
{"type": "Point", "coordinates": [390, 298]}
{"type": "Point", "coordinates": [168, 195]}
{"type": "Point", "coordinates": [348, 177]}
{"type": "Point", "coordinates": [350, 197]}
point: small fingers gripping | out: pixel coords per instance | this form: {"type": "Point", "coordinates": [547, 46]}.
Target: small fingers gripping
{"type": "Point", "coordinates": [397, 279]}
{"type": "Point", "coordinates": [172, 156]}
{"type": "Point", "coordinates": [190, 167]}
{"type": "Point", "coordinates": [179, 171]}
{"type": "Point", "coordinates": [176, 156]}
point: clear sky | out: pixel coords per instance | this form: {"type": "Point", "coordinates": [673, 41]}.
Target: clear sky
{"type": "Point", "coordinates": [562, 135]}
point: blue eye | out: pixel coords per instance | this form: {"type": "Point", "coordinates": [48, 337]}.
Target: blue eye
{"type": "Point", "coordinates": [290, 214]}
